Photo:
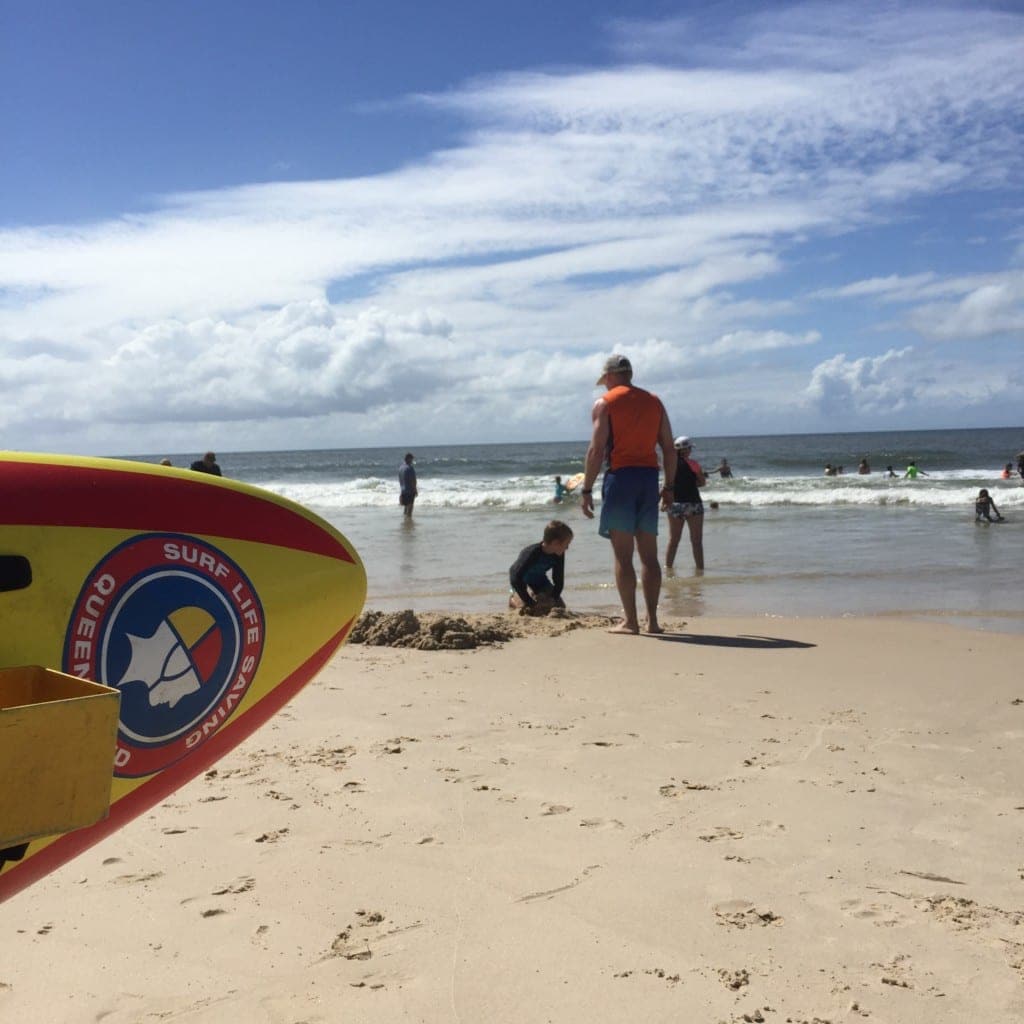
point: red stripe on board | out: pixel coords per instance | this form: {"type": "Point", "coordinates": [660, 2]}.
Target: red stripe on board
{"type": "Point", "coordinates": [206, 653]}
{"type": "Point", "coordinates": [140, 799]}
{"type": "Point", "coordinates": [40, 494]}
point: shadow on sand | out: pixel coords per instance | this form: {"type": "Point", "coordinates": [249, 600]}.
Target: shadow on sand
{"type": "Point", "coordinates": [755, 642]}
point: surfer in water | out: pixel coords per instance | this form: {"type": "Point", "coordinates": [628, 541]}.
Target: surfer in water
{"type": "Point", "coordinates": [913, 472]}
{"type": "Point", "coordinates": [560, 491]}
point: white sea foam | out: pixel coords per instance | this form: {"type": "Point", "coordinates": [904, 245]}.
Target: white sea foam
{"type": "Point", "coordinates": [951, 490]}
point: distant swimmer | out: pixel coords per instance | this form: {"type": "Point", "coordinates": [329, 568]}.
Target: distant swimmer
{"type": "Point", "coordinates": [913, 472]}
{"type": "Point", "coordinates": [984, 506]}
{"type": "Point", "coordinates": [890, 473]}
{"type": "Point", "coordinates": [166, 462]}
{"type": "Point", "coordinates": [207, 464]}
{"type": "Point", "coordinates": [724, 470]}
{"type": "Point", "coordinates": [1007, 471]}
{"type": "Point", "coordinates": [830, 470]}
{"type": "Point", "coordinates": [863, 469]}
{"type": "Point", "coordinates": [560, 491]}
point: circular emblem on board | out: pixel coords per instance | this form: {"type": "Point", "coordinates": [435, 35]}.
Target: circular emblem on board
{"type": "Point", "coordinates": [177, 627]}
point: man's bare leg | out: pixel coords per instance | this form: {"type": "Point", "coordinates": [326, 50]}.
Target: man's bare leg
{"type": "Point", "coordinates": [650, 577]}
{"type": "Point", "coordinates": [625, 580]}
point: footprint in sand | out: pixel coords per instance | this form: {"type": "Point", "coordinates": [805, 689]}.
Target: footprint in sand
{"type": "Point", "coordinates": [879, 914]}
{"type": "Point", "coordinates": [673, 789]}
{"type": "Point", "coordinates": [240, 885]}
{"type": "Point", "coordinates": [734, 979]}
{"type": "Point", "coordinates": [272, 837]}
{"type": "Point", "coordinates": [601, 823]}
{"type": "Point", "coordinates": [555, 809]}
{"type": "Point", "coordinates": [721, 832]}
{"type": "Point", "coordinates": [135, 879]}
{"type": "Point", "coordinates": [744, 914]}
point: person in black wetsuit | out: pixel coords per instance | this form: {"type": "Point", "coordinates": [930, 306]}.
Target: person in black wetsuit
{"type": "Point", "coordinates": [686, 508]}
{"type": "Point", "coordinates": [532, 590]}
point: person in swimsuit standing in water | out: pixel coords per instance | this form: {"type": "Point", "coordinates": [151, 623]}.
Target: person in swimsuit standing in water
{"type": "Point", "coordinates": [686, 508]}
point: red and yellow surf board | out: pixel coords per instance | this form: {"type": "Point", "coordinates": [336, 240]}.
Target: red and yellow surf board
{"type": "Point", "coordinates": [206, 603]}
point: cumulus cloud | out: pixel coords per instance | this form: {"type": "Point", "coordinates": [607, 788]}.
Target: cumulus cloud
{"type": "Point", "coordinates": [651, 203]}
{"type": "Point", "coordinates": [866, 386]}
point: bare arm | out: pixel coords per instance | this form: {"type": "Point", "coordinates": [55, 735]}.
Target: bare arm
{"type": "Point", "coordinates": [668, 450]}
{"type": "Point", "coordinates": [595, 455]}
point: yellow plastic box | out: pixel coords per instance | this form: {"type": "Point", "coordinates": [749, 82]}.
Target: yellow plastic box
{"type": "Point", "coordinates": [57, 739]}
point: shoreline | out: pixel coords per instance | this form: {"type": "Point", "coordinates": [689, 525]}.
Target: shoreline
{"type": "Point", "coordinates": [1008, 622]}
{"type": "Point", "coordinates": [750, 818]}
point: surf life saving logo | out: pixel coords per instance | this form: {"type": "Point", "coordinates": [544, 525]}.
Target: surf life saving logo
{"type": "Point", "coordinates": [177, 627]}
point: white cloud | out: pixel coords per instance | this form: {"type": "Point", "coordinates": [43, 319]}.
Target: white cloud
{"type": "Point", "coordinates": [867, 386]}
{"type": "Point", "coordinates": [992, 308]}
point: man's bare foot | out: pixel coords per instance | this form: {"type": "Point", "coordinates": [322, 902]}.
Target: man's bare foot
{"type": "Point", "coordinates": [625, 628]}
{"type": "Point", "coordinates": [654, 629]}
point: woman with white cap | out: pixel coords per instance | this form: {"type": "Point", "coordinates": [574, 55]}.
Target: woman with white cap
{"type": "Point", "coordinates": [686, 507]}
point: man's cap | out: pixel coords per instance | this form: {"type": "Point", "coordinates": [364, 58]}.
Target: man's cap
{"type": "Point", "coordinates": [615, 364]}
{"type": "Point", "coordinates": [682, 441]}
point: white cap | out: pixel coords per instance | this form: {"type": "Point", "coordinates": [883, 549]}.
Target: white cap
{"type": "Point", "coordinates": [682, 441]}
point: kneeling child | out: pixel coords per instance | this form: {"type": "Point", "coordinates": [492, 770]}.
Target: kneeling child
{"type": "Point", "coordinates": [532, 590]}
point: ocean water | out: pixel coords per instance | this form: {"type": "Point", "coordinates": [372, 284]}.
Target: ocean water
{"type": "Point", "coordinates": [784, 540]}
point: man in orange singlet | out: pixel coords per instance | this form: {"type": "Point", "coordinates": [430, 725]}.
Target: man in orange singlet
{"type": "Point", "coordinates": [630, 424]}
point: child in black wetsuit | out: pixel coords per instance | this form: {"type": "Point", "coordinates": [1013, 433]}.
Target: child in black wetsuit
{"type": "Point", "coordinates": [984, 506]}
{"type": "Point", "coordinates": [532, 590]}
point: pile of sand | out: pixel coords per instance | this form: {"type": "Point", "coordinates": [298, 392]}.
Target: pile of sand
{"type": "Point", "coordinates": [436, 632]}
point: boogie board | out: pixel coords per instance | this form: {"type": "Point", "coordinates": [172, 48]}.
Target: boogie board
{"type": "Point", "coordinates": [574, 481]}
{"type": "Point", "coordinates": [205, 603]}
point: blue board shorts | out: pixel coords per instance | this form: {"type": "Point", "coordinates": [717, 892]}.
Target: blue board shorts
{"type": "Point", "coordinates": [629, 501]}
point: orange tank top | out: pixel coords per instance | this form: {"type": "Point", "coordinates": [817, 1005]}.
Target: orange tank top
{"type": "Point", "coordinates": [634, 418]}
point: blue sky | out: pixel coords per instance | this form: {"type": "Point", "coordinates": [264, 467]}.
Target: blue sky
{"type": "Point", "coordinates": [270, 225]}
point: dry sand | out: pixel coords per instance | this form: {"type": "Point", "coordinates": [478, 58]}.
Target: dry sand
{"type": "Point", "coordinates": [746, 820]}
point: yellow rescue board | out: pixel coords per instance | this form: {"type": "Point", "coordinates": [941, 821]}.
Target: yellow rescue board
{"type": "Point", "coordinates": [205, 603]}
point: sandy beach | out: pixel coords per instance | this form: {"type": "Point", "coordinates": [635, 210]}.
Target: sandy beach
{"type": "Point", "coordinates": [765, 819]}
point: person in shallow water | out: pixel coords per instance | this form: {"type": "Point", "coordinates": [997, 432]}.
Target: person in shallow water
{"type": "Point", "coordinates": [686, 507]}
{"type": "Point", "coordinates": [207, 464]}
{"type": "Point", "coordinates": [408, 487]}
{"type": "Point", "coordinates": [984, 506]}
